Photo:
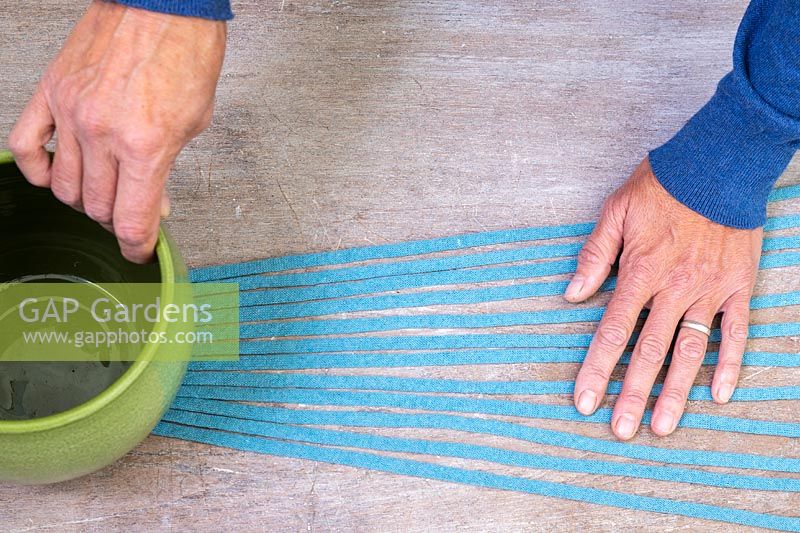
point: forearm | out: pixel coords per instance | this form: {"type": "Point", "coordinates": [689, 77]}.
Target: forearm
{"type": "Point", "coordinates": [725, 160]}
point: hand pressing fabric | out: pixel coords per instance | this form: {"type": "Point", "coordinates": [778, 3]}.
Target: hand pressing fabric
{"type": "Point", "coordinates": [685, 268]}
{"type": "Point", "coordinates": [688, 222]}
{"type": "Point", "coordinates": [128, 90]}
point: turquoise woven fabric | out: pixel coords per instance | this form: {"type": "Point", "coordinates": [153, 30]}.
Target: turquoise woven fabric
{"type": "Point", "coordinates": [379, 307]}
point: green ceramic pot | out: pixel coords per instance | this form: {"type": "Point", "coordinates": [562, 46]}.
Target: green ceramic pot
{"type": "Point", "coordinates": [62, 420]}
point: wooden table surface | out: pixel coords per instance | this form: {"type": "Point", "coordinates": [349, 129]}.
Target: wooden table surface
{"type": "Point", "coordinates": [345, 123]}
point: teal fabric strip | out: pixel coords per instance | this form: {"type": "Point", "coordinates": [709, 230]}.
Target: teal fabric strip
{"type": "Point", "coordinates": [301, 328]}
{"type": "Point", "coordinates": [350, 439]}
{"type": "Point", "coordinates": [393, 301]}
{"type": "Point", "coordinates": [421, 266]}
{"type": "Point", "coordinates": [411, 270]}
{"type": "Point", "coordinates": [441, 297]}
{"type": "Point", "coordinates": [386, 251]}
{"type": "Point", "coordinates": [787, 242]}
{"type": "Point", "coordinates": [446, 277]}
{"type": "Point", "coordinates": [782, 222]}
{"type": "Point", "coordinates": [404, 249]}
{"type": "Point", "coordinates": [405, 282]}
{"type": "Point", "coordinates": [474, 477]}
{"type": "Point", "coordinates": [393, 360]}
{"type": "Point", "coordinates": [476, 405]}
{"type": "Point", "coordinates": [788, 192]}
{"type": "Point", "coordinates": [452, 358]}
{"type": "Point", "coordinates": [488, 426]}
{"type": "Point", "coordinates": [452, 386]}
{"type": "Point", "coordinates": [458, 342]}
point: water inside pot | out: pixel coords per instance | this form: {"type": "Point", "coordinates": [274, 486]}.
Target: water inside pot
{"type": "Point", "coordinates": [44, 241]}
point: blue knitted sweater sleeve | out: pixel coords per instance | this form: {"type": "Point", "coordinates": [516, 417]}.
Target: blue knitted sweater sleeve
{"type": "Point", "coordinates": [207, 9]}
{"type": "Point", "coordinates": [725, 160]}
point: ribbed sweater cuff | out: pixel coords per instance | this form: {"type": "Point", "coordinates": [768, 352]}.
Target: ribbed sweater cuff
{"type": "Point", "coordinates": [207, 9]}
{"type": "Point", "coordinates": [725, 160]}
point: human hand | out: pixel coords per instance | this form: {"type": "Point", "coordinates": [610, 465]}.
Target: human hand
{"type": "Point", "coordinates": [127, 91]}
{"type": "Point", "coordinates": [681, 265]}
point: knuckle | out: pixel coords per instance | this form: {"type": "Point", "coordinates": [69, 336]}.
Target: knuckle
{"type": "Point", "coordinates": [17, 144]}
{"type": "Point", "coordinates": [592, 254]}
{"type": "Point", "coordinates": [642, 268]}
{"type": "Point", "coordinates": [142, 142]}
{"type": "Point", "coordinates": [65, 197]}
{"type": "Point", "coordinates": [652, 350]}
{"type": "Point", "coordinates": [716, 279]}
{"type": "Point", "coordinates": [593, 372]}
{"type": "Point", "coordinates": [63, 190]}
{"type": "Point", "coordinates": [690, 349]}
{"type": "Point", "coordinates": [736, 330]}
{"type": "Point", "coordinates": [673, 396]}
{"type": "Point", "coordinates": [612, 336]}
{"type": "Point", "coordinates": [627, 297]}
{"type": "Point", "coordinates": [92, 121]}
{"type": "Point", "coordinates": [683, 279]}
{"type": "Point", "coordinates": [731, 366]}
{"type": "Point", "coordinates": [97, 210]}
{"type": "Point", "coordinates": [635, 396]}
{"type": "Point", "coordinates": [743, 279]}
{"type": "Point", "coordinates": [613, 209]}
{"type": "Point", "coordinates": [135, 234]}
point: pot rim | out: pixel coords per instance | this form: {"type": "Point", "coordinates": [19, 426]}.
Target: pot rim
{"type": "Point", "coordinates": [128, 378]}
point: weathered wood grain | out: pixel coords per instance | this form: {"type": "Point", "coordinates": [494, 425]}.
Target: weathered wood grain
{"type": "Point", "coordinates": [347, 123]}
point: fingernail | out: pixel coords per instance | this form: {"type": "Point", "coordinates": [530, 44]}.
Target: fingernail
{"type": "Point", "coordinates": [587, 402]}
{"type": "Point", "coordinates": [574, 287]}
{"type": "Point", "coordinates": [724, 392]}
{"type": "Point", "coordinates": [626, 426]}
{"type": "Point", "coordinates": [664, 423]}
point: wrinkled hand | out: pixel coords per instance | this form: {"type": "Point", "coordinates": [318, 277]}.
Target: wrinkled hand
{"type": "Point", "coordinates": [127, 91]}
{"type": "Point", "coordinates": [682, 266]}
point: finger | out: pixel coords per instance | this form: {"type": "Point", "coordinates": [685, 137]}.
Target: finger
{"type": "Point", "coordinates": [646, 361]}
{"type": "Point", "coordinates": [137, 209]}
{"type": "Point", "coordinates": [66, 173]}
{"type": "Point", "coordinates": [687, 357]}
{"type": "Point", "coordinates": [607, 345]}
{"type": "Point", "coordinates": [735, 320]}
{"type": "Point", "coordinates": [598, 253]}
{"type": "Point", "coordinates": [99, 183]}
{"type": "Point", "coordinates": [27, 141]}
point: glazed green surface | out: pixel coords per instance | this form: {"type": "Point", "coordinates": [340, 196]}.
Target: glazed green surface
{"type": "Point", "coordinates": [62, 420]}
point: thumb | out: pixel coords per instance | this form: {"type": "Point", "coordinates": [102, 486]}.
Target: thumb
{"type": "Point", "coordinates": [28, 139]}
{"type": "Point", "coordinates": [599, 252]}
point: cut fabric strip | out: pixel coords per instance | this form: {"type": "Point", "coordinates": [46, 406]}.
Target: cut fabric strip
{"type": "Point", "coordinates": [458, 342]}
{"type": "Point", "coordinates": [473, 477]}
{"type": "Point", "coordinates": [452, 386]}
{"type": "Point", "coordinates": [250, 313]}
{"type": "Point", "coordinates": [454, 358]}
{"type": "Point", "coordinates": [387, 251]}
{"type": "Point", "coordinates": [364, 441]}
{"type": "Point", "coordinates": [488, 426]}
{"type": "Point", "coordinates": [302, 328]}
{"type": "Point", "coordinates": [427, 246]}
{"type": "Point", "coordinates": [475, 405]}
{"type": "Point", "coordinates": [286, 323]}
{"type": "Point", "coordinates": [362, 273]}
{"type": "Point", "coordinates": [455, 276]}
